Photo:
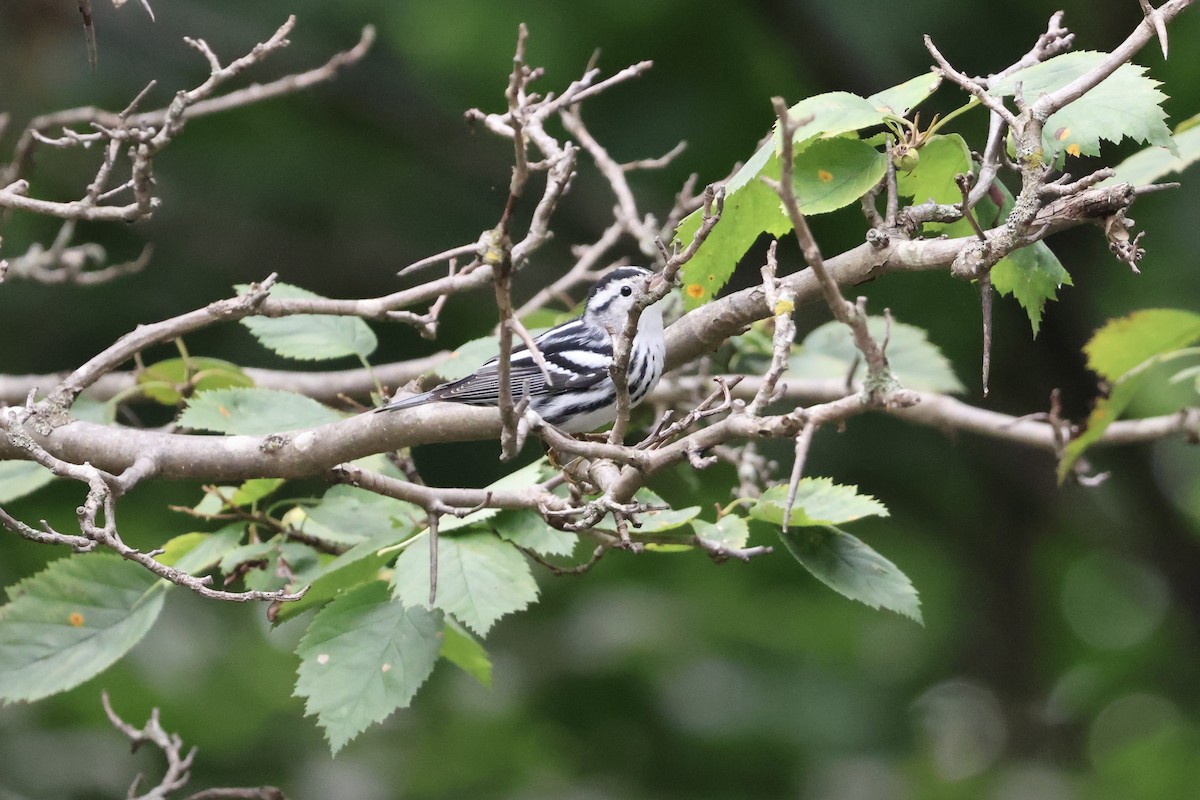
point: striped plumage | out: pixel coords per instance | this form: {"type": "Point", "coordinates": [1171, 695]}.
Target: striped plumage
{"type": "Point", "coordinates": [578, 353]}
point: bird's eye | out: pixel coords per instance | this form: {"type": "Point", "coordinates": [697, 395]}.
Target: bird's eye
{"type": "Point", "coordinates": [626, 291]}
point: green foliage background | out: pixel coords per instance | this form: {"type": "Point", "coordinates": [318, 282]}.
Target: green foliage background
{"type": "Point", "coordinates": [1059, 653]}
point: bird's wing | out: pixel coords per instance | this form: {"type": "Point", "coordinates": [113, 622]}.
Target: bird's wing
{"type": "Point", "coordinates": [577, 356]}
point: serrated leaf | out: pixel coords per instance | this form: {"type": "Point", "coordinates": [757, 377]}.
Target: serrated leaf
{"type": "Point", "coordinates": [833, 173]}
{"type": "Point", "coordinates": [466, 652]}
{"type": "Point", "coordinates": [848, 566]}
{"type": "Point", "coordinates": [159, 380]}
{"type": "Point", "coordinates": [751, 208]}
{"type": "Point", "coordinates": [195, 553]}
{"type": "Point", "coordinates": [254, 412]}
{"type": "Point", "coordinates": [364, 656]}
{"type": "Point", "coordinates": [526, 528]}
{"type": "Point", "coordinates": [311, 337]}
{"type": "Point", "coordinates": [917, 363]}
{"type": "Point", "coordinates": [1124, 343]}
{"type": "Point", "coordinates": [904, 97]}
{"type": "Point", "coordinates": [20, 478]}
{"type": "Point", "coordinates": [655, 521]}
{"type": "Point", "coordinates": [749, 213]}
{"type": "Point", "coordinates": [1032, 275]}
{"type": "Point", "coordinates": [1124, 352]}
{"type": "Point", "coordinates": [480, 579]}
{"type": "Point", "coordinates": [730, 531]}
{"type": "Point", "coordinates": [942, 157]}
{"type": "Point", "coordinates": [1108, 409]}
{"type": "Point", "coordinates": [522, 478]}
{"type": "Point", "coordinates": [1145, 167]}
{"type": "Point", "coordinates": [361, 564]}
{"type": "Point", "coordinates": [348, 514]}
{"type": "Point", "coordinates": [1126, 104]}
{"type": "Point", "coordinates": [830, 114]}
{"type": "Point", "coordinates": [71, 621]}
{"type": "Point", "coordinates": [819, 501]}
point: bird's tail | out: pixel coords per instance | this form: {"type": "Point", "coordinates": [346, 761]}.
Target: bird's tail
{"type": "Point", "coordinates": [407, 402]}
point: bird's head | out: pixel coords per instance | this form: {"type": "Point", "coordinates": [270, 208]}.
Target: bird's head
{"type": "Point", "coordinates": [614, 297]}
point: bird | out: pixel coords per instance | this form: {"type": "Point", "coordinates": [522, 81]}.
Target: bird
{"type": "Point", "coordinates": [580, 395]}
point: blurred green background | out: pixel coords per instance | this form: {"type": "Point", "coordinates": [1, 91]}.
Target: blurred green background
{"type": "Point", "coordinates": [1059, 657]}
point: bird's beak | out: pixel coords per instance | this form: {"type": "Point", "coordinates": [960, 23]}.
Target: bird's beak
{"type": "Point", "coordinates": [657, 280]}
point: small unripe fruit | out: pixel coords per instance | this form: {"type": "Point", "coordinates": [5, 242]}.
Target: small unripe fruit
{"type": "Point", "coordinates": [905, 157]}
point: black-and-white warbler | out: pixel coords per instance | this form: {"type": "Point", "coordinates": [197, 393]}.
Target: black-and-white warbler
{"type": "Point", "coordinates": [580, 396]}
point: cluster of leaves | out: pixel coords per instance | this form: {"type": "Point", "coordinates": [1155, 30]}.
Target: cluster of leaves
{"type": "Point", "coordinates": [838, 158]}
{"type": "Point", "coordinates": [374, 633]}
{"type": "Point", "coordinates": [1128, 353]}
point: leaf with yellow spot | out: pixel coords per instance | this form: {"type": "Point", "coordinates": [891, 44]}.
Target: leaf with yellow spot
{"type": "Point", "coordinates": [833, 173]}
{"type": "Point", "coordinates": [752, 209]}
{"type": "Point", "coordinates": [48, 645]}
{"type": "Point", "coordinates": [1126, 103]}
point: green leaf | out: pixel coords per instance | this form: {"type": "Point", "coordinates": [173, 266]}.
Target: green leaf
{"type": "Point", "coordinates": [522, 478]}
{"type": "Point", "coordinates": [848, 566]}
{"type": "Point", "coordinates": [749, 212]}
{"type": "Point", "coordinates": [310, 337]}
{"type": "Point", "coordinates": [358, 565]}
{"type": "Point", "coordinates": [1124, 343]}
{"type": "Point", "coordinates": [830, 114]}
{"type": "Point", "coordinates": [348, 514]}
{"type": "Point", "coordinates": [19, 478]}
{"type": "Point", "coordinates": [942, 157]}
{"type": "Point", "coordinates": [1124, 352]}
{"type": "Point", "coordinates": [1145, 167]}
{"type": "Point", "coordinates": [195, 553]}
{"type": "Point", "coordinates": [526, 528]}
{"type": "Point", "coordinates": [72, 621]}
{"type": "Point", "coordinates": [751, 208]}
{"type": "Point", "coordinates": [466, 652]}
{"type": "Point", "coordinates": [1127, 103]}
{"type": "Point", "coordinates": [89, 410]}
{"type": "Point", "coordinates": [253, 490]}
{"type": "Point", "coordinates": [469, 356]}
{"type": "Point", "coordinates": [159, 380]}
{"type": "Point", "coordinates": [917, 363]}
{"type": "Point", "coordinates": [729, 531]}
{"type": "Point", "coordinates": [904, 97]}
{"type": "Point", "coordinates": [655, 521]}
{"type": "Point", "coordinates": [251, 551]}
{"type": "Point", "coordinates": [833, 173]}
{"type": "Point", "coordinates": [363, 657]}
{"type": "Point", "coordinates": [1032, 275]}
{"type": "Point", "coordinates": [1108, 409]}
{"type": "Point", "coordinates": [819, 501]}
{"type": "Point", "coordinates": [480, 579]}
{"type": "Point", "coordinates": [254, 412]}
